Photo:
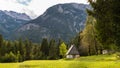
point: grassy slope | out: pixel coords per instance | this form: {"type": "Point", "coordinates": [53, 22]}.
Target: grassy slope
{"type": "Point", "coordinates": [102, 61]}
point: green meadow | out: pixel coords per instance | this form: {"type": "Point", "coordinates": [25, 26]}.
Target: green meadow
{"type": "Point", "coordinates": [100, 61]}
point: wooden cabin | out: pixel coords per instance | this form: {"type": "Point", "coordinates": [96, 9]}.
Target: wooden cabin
{"type": "Point", "coordinates": [108, 51]}
{"type": "Point", "coordinates": [105, 52]}
{"type": "Point", "coordinates": [72, 52]}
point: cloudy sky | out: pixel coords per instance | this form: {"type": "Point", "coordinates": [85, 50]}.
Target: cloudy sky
{"type": "Point", "coordinates": [32, 7]}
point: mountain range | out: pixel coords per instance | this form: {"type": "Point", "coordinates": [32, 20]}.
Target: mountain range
{"type": "Point", "coordinates": [61, 21]}
{"type": "Point", "coordinates": [11, 21]}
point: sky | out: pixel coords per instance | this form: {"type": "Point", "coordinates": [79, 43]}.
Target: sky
{"type": "Point", "coordinates": [33, 8]}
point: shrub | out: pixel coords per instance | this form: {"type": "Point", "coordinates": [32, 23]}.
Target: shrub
{"type": "Point", "coordinates": [118, 55]}
{"type": "Point", "coordinates": [9, 58]}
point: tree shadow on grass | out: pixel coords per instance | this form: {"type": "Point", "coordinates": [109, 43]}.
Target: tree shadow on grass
{"type": "Point", "coordinates": [28, 66]}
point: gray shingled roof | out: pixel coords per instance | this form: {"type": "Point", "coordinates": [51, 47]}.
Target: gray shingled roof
{"type": "Point", "coordinates": [72, 51]}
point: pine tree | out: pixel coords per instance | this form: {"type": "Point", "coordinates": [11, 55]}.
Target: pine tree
{"type": "Point", "coordinates": [9, 44]}
{"type": "Point", "coordinates": [1, 41]}
{"type": "Point", "coordinates": [18, 57]}
{"type": "Point", "coordinates": [16, 47]}
{"type": "Point", "coordinates": [21, 48]}
{"type": "Point", "coordinates": [44, 48]}
{"type": "Point", "coordinates": [1, 45]}
{"type": "Point", "coordinates": [52, 50]}
{"type": "Point", "coordinates": [27, 50]}
{"type": "Point", "coordinates": [106, 13]}
{"type": "Point", "coordinates": [4, 48]}
{"type": "Point", "coordinates": [58, 45]}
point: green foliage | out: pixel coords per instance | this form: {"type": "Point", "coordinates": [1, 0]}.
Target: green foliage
{"type": "Point", "coordinates": [1, 40]}
{"type": "Point", "coordinates": [26, 50]}
{"type": "Point", "coordinates": [1, 44]}
{"type": "Point", "coordinates": [18, 57]}
{"type": "Point", "coordinates": [52, 50]}
{"type": "Point", "coordinates": [10, 57]}
{"type": "Point", "coordinates": [77, 41]}
{"type": "Point", "coordinates": [89, 42]}
{"type": "Point", "coordinates": [44, 48]}
{"type": "Point", "coordinates": [118, 55]}
{"type": "Point", "coordinates": [18, 51]}
{"type": "Point", "coordinates": [106, 13]}
{"type": "Point", "coordinates": [20, 46]}
{"type": "Point", "coordinates": [63, 49]}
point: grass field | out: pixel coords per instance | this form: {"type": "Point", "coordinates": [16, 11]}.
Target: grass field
{"type": "Point", "coordinates": [101, 61]}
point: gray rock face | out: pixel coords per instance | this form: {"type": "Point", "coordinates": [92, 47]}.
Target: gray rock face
{"type": "Point", "coordinates": [21, 16]}
{"type": "Point", "coordinates": [59, 21]}
{"type": "Point", "coordinates": [10, 21]}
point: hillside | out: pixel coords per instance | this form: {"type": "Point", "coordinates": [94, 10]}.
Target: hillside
{"type": "Point", "coordinates": [61, 21]}
{"type": "Point", "coordinates": [11, 21]}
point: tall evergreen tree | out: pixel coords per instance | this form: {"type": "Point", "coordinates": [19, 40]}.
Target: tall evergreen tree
{"type": "Point", "coordinates": [52, 49]}
{"type": "Point", "coordinates": [1, 41]}
{"type": "Point", "coordinates": [35, 51]}
{"type": "Point", "coordinates": [45, 48]}
{"type": "Point", "coordinates": [27, 50]}
{"type": "Point", "coordinates": [58, 45]}
{"type": "Point", "coordinates": [21, 48]}
{"type": "Point", "coordinates": [16, 47]}
{"type": "Point", "coordinates": [106, 13]}
{"type": "Point", "coordinates": [77, 41]}
{"type": "Point", "coordinates": [3, 48]}
{"type": "Point", "coordinates": [9, 44]}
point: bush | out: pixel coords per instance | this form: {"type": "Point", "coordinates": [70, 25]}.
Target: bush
{"type": "Point", "coordinates": [9, 58]}
{"type": "Point", "coordinates": [118, 55]}
{"type": "Point", "coordinates": [19, 57]}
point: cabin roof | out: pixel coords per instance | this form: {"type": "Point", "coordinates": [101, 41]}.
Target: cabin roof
{"type": "Point", "coordinates": [72, 51]}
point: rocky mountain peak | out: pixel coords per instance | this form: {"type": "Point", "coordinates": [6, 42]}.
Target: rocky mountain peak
{"type": "Point", "coordinates": [16, 15]}
{"type": "Point", "coordinates": [59, 21]}
{"type": "Point", "coordinates": [11, 21]}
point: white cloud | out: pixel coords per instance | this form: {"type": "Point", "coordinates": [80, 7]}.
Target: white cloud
{"type": "Point", "coordinates": [41, 5]}
{"type": "Point", "coordinates": [14, 5]}
{"type": "Point", "coordinates": [33, 6]}
{"type": "Point", "coordinates": [11, 5]}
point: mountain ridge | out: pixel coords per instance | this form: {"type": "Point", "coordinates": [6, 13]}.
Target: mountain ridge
{"type": "Point", "coordinates": [11, 21]}
{"type": "Point", "coordinates": [59, 21]}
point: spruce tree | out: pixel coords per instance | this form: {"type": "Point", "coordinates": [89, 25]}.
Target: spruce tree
{"type": "Point", "coordinates": [52, 50]}
{"type": "Point", "coordinates": [107, 15]}
{"type": "Point", "coordinates": [44, 48]}
{"type": "Point", "coordinates": [1, 41]}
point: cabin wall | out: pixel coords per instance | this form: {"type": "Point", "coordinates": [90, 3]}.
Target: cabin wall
{"type": "Point", "coordinates": [77, 56]}
{"type": "Point", "coordinates": [72, 56]}
{"type": "Point", "coordinates": [69, 56]}
{"type": "Point", "coordinates": [105, 52]}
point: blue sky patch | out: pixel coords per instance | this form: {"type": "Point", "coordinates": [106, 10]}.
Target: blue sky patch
{"type": "Point", "coordinates": [24, 2]}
